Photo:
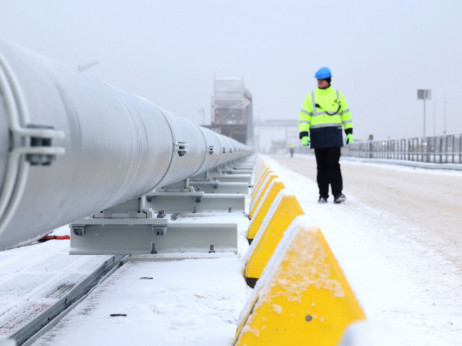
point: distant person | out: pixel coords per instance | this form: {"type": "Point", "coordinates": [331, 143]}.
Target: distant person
{"type": "Point", "coordinates": [291, 149]}
{"type": "Point", "coordinates": [323, 113]}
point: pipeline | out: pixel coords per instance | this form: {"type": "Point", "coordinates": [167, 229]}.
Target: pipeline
{"type": "Point", "coordinates": [72, 145]}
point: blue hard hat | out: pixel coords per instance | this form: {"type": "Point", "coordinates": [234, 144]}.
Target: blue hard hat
{"type": "Point", "coordinates": [323, 73]}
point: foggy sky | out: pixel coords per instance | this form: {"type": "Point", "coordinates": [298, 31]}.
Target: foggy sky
{"type": "Point", "coordinates": [380, 53]}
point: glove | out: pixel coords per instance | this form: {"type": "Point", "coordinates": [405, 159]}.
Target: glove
{"type": "Point", "coordinates": [305, 141]}
{"type": "Point", "coordinates": [349, 138]}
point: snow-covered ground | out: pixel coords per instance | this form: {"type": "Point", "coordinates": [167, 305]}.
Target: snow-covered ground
{"type": "Point", "coordinates": [32, 278]}
{"type": "Point", "coordinates": [192, 302]}
{"type": "Point", "coordinates": [402, 279]}
{"type": "Point", "coordinates": [171, 300]}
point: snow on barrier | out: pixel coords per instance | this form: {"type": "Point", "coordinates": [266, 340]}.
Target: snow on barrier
{"type": "Point", "coordinates": [284, 210]}
{"type": "Point", "coordinates": [258, 185]}
{"type": "Point", "coordinates": [262, 209]}
{"type": "Point", "coordinates": [261, 192]}
{"type": "Point", "coordinates": [258, 173]}
{"type": "Point", "coordinates": [302, 296]}
{"type": "Point", "coordinates": [259, 167]}
{"type": "Point", "coordinates": [259, 163]}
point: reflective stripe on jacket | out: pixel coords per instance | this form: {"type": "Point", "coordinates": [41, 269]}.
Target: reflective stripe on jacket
{"type": "Point", "coordinates": [322, 116]}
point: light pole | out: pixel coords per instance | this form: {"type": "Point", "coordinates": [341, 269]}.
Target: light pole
{"type": "Point", "coordinates": [424, 94]}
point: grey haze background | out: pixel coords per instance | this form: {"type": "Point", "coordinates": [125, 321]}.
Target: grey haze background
{"type": "Point", "coordinates": [169, 51]}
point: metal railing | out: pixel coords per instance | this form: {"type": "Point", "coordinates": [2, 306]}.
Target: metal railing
{"type": "Point", "coordinates": [436, 149]}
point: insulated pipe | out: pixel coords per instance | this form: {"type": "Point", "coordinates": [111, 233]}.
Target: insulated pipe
{"type": "Point", "coordinates": [213, 148]}
{"type": "Point", "coordinates": [71, 145]}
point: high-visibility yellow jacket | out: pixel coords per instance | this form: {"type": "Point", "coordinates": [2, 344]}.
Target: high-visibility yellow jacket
{"type": "Point", "coordinates": [323, 113]}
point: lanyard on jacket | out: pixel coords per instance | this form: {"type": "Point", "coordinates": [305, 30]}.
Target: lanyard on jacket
{"type": "Point", "coordinates": [329, 113]}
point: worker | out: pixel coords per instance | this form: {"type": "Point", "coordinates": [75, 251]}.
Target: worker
{"type": "Point", "coordinates": [323, 113]}
{"type": "Point", "coordinates": [291, 149]}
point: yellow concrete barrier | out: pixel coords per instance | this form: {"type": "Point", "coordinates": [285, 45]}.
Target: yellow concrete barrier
{"type": "Point", "coordinates": [259, 196]}
{"type": "Point", "coordinates": [259, 168]}
{"type": "Point", "coordinates": [284, 210]}
{"type": "Point", "coordinates": [258, 161]}
{"type": "Point", "coordinates": [256, 179]}
{"type": "Point", "coordinates": [302, 297]}
{"type": "Point", "coordinates": [262, 211]}
{"type": "Point", "coordinates": [259, 182]}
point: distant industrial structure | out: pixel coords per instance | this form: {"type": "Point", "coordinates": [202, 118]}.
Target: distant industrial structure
{"type": "Point", "coordinates": [232, 115]}
{"type": "Point", "coordinates": [275, 135]}
{"type": "Point", "coordinates": [232, 110]}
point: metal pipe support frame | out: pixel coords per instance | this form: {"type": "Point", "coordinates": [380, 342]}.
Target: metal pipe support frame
{"type": "Point", "coordinates": [157, 223]}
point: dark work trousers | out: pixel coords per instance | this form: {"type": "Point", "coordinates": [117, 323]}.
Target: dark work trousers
{"type": "Point", "coordinates": [327, 160]}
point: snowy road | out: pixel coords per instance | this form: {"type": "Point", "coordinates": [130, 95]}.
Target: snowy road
{"type": "Point", "coordinates": [426, 205]}
{"type": "Point", "coordinates": [398, 240]}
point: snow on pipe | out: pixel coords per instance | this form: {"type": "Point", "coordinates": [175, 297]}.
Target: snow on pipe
{"type": "Point", "coordinates": [71, 145]}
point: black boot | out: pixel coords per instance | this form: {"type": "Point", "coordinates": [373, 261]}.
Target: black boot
{"type": "Point", "coordinates": [339, 198]}
{"type": "Point", "coordinates": [322, 200]}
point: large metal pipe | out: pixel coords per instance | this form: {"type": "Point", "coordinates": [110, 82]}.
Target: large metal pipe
{"type": "Point", "coordinates": [71, 145]}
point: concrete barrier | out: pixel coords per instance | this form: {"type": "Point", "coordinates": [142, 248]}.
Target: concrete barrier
{"type": "Point", "coordinates": [259, 181]}
{"type": "Point", "coordinates": [262, 210]}
{"type": "Point", "coordinates": [256, 182]}
{"type": "Point", "coordinates": [302, 297]}
{"type": "Point", "coordinates": [284, 210]}
{"type": "Point", "coordinates": [261, 192]}
{"type": "Point", "coordinates": [259, 167]}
